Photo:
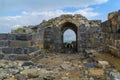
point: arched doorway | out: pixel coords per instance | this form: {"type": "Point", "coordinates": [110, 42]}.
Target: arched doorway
{"type": "Point", "coordinates": [69, 29]}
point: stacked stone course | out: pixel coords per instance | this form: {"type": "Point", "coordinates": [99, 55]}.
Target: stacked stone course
{"type": "Point", "coordinates": [17, 44]}
{"type": "Point", "coordinates": [111, 30]}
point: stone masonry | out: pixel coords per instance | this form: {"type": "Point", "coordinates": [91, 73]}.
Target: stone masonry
{"type": "Point", "coordinates": [50, 33]}
{"type": "Point", "coordinates": [90, 34]}
{"type": "Point", "coordinates": [16, 44]}
{"type": "Point", "coordinates": [111, 31]}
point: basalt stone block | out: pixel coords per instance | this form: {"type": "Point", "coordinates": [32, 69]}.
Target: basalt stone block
{"type": "Point", "coordinates": [32, 49]}
{"type": "Point", "coordinates": [4, 43]}
{"type": "Point", "coordinates": [28, 63]}
{"type": "Point", "coordinates": [20, 44]}
{"type": "Point", "coordinates": [7, 36]}
{"type": "Point", "coordinates": [18, 51]}
{"type": "Point", "coordinates": [7, 50]}
{"type": "Point", "coordinates": [23, 37]}
{"type": "Point", "coordinates": [35, 53]}
{"type": "Point", "coordinates": [3, 36]}
{"type": "Point", "coordinates": [26, 50]}
{"type": "Point", "coordinates": [16, 57]}
{"type": "Point", "coordinates": [23, 57]}
{"type": "Point", "coordinates": [1, 56]}
{"type": "Point", "coordinates": [11, 37]}
{"type": "Point", "coordinates": [0, 50]}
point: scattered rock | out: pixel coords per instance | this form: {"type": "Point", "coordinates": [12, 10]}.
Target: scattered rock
{"type": "Point", "coordinates": [30, 71]}
{"type": "Point", "coordinates": [103, 64]}
{"type": "Point", "coordinates": [115, 76]}
{"type": "Point", "coordinates": [67, 66]}
{"type": "Point", "coordinates": [28, 63]}
{"type": "Point", "coordinates": [89, 65]}
{"type": "Point", "coordinates": [4, 73]}
{"type": "Point", "coordinates": [96, 72]}
{"type": "Point", "coordinates": [20, 77]}
{"type": "Point", "coordinates": [48, 77]}
{"type": "Point", "coordinates": [35, 75]}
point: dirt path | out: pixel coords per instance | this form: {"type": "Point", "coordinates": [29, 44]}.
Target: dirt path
{"type": "Point", "coordinates": [109, 58]}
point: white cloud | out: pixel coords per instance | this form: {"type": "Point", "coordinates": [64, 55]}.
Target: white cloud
{"type": "Point", "coordinates": [46, 4]}
{"type": "Point", "coordinates": [16, 26]}
{"type": "Point", "coordinates": [34, 18]}
{"type": "Point", "coordinates": [34, 11]}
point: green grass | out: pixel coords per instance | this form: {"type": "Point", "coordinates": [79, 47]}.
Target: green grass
{"type": "Point", "coordinates": [119, 70]}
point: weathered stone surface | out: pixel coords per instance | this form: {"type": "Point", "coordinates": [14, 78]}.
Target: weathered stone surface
{"type": "Point", "coordinates": [23, 37]}
{"type": "Point", "coordinates": [115, 76]}
{"type": "Point", "coordinates": [67, 66]}
{"type": "Point", "coordinates": [103, 64]}
{"type": "Point", "coordinates": [3, 36]}
{"type": "Point", "coordinates": [27, 50]}
{"type": "Point", "coordinates": [20, 77]}
{"type": "Point", "coordinates": [78, 23]}
{"type": "Point", "coordinates": [96, 72]}
{"type": "Point", "coordinates": [4, 43]}
{"type": "Point", "coordinates": [32, 71]}
{"type": "Point", "coordinates": [34, 48]}
{"type": "Point", "coordinates": [19, 44]}
{"type": "Point", "coordinates": [111, 28]}
{"type": "Point", "coordinates": [1, 56]}
{"type": "Point", "coordinates": [7, 50]}
{"type": "Point", "coordinates": [56, 67]}
{"type": "Point", "coordinates": [89, 65]}
{"type": "Point", "coordinates": [4, 73]}
{"type": "Point", "coordinates": [16, 57]}
{"type": "Point", "coordinates": [28, 63]}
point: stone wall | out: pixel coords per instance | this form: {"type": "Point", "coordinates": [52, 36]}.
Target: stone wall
{"type": "Point", "coordinates": [17, 44]}
{"type": "Point", "coordinates": [21, 37]}
{"type": "Point", "coordinates": [111, 29]}
{"type": "Point", "coordinates": [27, 50]}
{"type": "Point", "coordinates": [50, 32]}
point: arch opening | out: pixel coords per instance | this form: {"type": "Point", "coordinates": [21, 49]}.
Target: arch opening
{"type": "Point", "coordinates": [69, 37]}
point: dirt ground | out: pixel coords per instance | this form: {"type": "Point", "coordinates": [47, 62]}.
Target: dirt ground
{"type": "Point", "coordinates": [110, 58]}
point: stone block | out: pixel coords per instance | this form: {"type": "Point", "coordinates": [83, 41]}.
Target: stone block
{"type": "Point", "coordinates": [4, 43]}
{"type": "Point", "coordinates": [7, 36]}
{"type": "Point", "coordinates": [23, 37]}
{"type": "Point", "coordinates": [115, 76]}
{"type": "Point", "coordinates": [117, 43]}
{"type": "Point", "coordinates": [103, 64]}
{"type": "Point", "coordinates": [96, 72]}
{"type": "Point", "coordinates": [114, 51]}
{"type": "Point", "coordinates": [3, 36]}
{"type": "Point", "coordinates": [23, 57]}
{"type": "Point", "coordinates": [1, 56]}
{"type": "Point", "coordinates": [18, 51]}
{"type": "Point", "coordinates": [0, 50]}
{"type": "Point", "coordinates": [119, 18]}
{"type": "Point", "coordinates": [7, 50]}
{"type": "Point", "coordinates": [20, 44]}
{"type": "Point", "coordinates": [16, 57]}
{"type": "Point", "coordinates": [32, 49]}
{"type": "Point", "coordinates": [36, 53]}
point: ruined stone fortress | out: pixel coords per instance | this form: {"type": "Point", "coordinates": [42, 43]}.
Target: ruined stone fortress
{"type": "Point", "coordinates": [90, 34]}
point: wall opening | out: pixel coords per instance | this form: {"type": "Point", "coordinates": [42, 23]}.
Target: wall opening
{"type": "Point", "coordinates": [69, 40]}
{"type": "Point", "coordinates": [69, 37]}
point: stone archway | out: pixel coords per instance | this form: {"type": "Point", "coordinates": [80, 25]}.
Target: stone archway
{"type": "Point", "coordinates": [50, 33]}
{"type": "Point", "coordinates": [63, 28]}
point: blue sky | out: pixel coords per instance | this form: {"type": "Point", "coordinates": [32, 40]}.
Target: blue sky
{"type": "Point", "coordinates": [69, 36]}
{"type": "Point", "coordinates": [17, 13]}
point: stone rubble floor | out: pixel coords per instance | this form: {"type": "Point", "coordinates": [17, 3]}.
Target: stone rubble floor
{"type": "Point", "coordinates": [60, 66]}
